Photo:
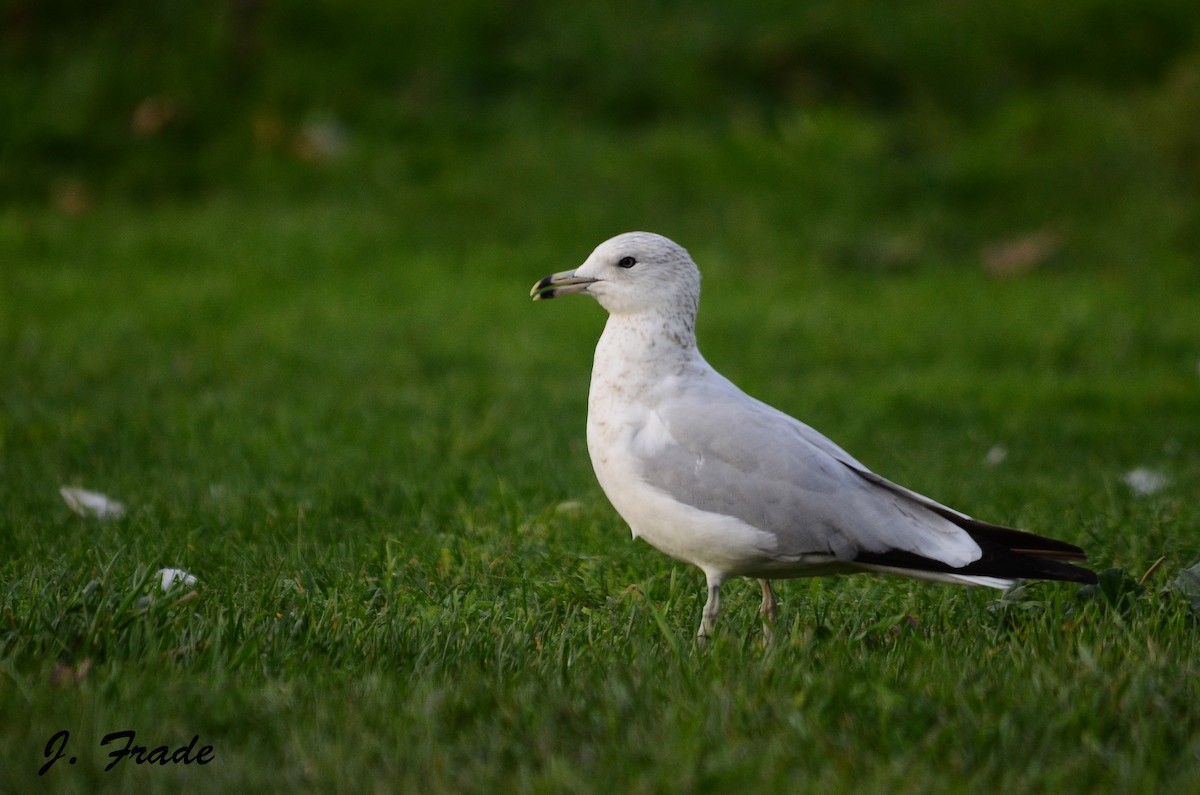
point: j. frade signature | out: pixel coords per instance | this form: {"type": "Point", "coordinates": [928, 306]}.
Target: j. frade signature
{"type": "Point", "coordinates": [56, 749]}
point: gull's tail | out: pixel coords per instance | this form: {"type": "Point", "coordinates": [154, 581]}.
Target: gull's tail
{"type": "Point", "coordinates": [1008, 555]}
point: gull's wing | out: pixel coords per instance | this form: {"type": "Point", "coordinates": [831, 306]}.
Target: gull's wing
{"type": "Point", "coordinates": [727, 453]}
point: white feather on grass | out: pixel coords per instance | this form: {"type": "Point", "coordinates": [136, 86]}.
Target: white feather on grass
{"type": "Point", "coordinates": [91, 503]}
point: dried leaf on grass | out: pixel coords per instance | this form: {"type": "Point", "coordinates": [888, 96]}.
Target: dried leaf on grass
{"type": "Point", "coordinates": [1018, 255]}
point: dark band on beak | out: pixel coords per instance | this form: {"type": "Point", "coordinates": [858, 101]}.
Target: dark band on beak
{"type": "Point", "coordinates": [557, 284]}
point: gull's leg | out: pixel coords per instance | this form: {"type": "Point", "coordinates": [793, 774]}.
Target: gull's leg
{"type": "Point", "coordinates": [767, 611]}
{"type": "Point", "coordinates": [768, 603]}
{"type": "Point", "coordinates": [708, 620]}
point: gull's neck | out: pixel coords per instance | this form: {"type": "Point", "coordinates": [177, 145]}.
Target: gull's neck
{"type": "Point", "coordinates": [646, 345]}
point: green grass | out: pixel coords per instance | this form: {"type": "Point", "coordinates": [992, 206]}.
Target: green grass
{"type": "Point", "coordinates": [322, 388]}
{"type": "Point", "coordinates": [357, 433]}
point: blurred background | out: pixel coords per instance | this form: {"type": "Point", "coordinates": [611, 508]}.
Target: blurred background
{"type": "Point", "coordinates": [252, 242]}
{"type": "Point", "coordinates": [866, 134]}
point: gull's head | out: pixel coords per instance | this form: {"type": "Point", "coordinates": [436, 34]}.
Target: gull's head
{"type": "Point", "coordinates": [633, 272]}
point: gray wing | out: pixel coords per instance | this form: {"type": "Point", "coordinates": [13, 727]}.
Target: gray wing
{"type": "Point", "coordinates": [733, 455]}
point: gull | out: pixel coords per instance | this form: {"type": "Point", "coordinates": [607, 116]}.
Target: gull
{"type": "Point", "coordinates": [713, 477]}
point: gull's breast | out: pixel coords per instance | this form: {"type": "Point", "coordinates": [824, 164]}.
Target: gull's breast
{"type": "Point", "coordinates": [620, 438]}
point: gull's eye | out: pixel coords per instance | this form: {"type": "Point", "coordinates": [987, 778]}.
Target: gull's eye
{"type": "Point", "coordinates": [626, 262]}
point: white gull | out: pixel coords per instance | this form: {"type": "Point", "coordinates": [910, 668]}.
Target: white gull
{"type": "Point", "coordinates": [715, 478]}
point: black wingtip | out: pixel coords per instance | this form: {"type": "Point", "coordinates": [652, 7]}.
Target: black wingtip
{"type": "Point", "coordinates": [1008, 554]}
{"type": "Point", "coordinates": [996, 562]}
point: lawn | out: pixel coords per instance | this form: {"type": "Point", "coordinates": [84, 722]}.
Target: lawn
{"type": "Point", "coordinates": [322, 389]}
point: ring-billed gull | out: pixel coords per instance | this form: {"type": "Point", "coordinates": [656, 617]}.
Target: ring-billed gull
{"type": "Point", "coordinates": [715, 478]}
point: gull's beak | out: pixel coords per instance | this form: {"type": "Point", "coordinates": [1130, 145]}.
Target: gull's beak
{"type": "Point", "coordinates": [557, 284]}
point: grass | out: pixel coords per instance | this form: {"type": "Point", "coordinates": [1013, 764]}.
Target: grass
{"type": "Point", "coordinates": [370, 451]}
{"type": "Point", "coordinates": [322, 389]}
